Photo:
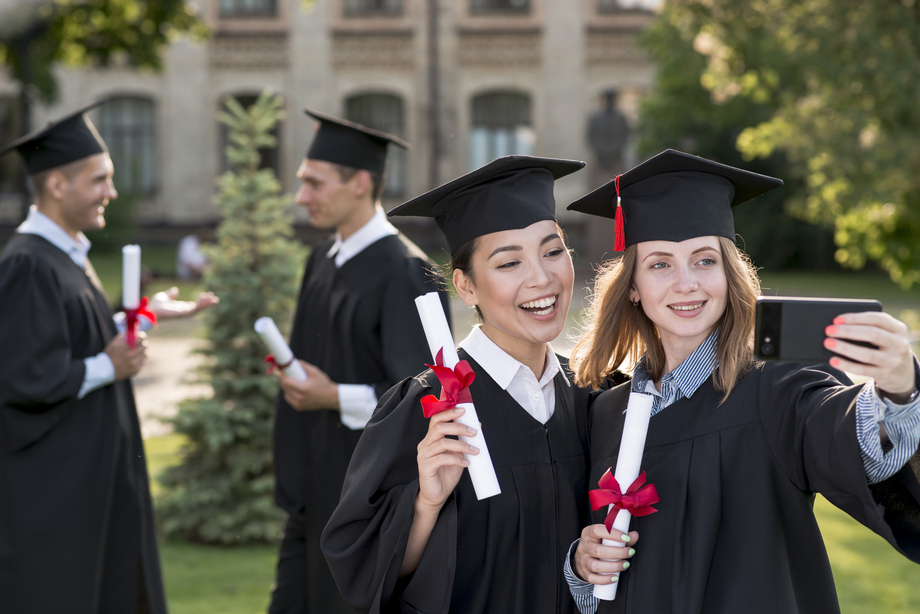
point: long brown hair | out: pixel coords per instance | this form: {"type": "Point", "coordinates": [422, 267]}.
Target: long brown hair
{"type": "Point", "coordinates": [618, 334]}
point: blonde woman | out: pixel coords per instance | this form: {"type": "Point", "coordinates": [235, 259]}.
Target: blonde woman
{"type": "Point", "coordinates": [736, 448]}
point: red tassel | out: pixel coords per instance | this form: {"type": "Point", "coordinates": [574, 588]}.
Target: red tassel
{"type": "Point", "coordinates": [619, 237]}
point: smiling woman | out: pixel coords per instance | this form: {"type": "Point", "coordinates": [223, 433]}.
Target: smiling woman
{"type": "Point", "coordinates": [409, 527]}
{"type": "Point", "coordinates": [737, 449]}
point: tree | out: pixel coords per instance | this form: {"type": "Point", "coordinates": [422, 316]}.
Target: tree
{"type": "Point", "coordinates": [682, 113]}
{"type": "Point", "coordinates": [843, 77]}
{"type": "Point", "coordinates": [222, 491]}
{"type": "Point", "coordinates": [41, 33]}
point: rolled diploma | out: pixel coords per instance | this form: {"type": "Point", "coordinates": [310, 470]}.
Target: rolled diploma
{"type": "Point", "coordinates": [437, 332]}
{"type": "Point", "coordinates": [131, 276]}
{"type": "Point", "coordinates": [279, 348]}
{"type": "Point", "coordinates": [629, 462]}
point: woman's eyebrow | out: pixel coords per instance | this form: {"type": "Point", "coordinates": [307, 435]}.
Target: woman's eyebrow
{"type": "Point", "coordinates": [506, 248]}
{"type": "Point", "coordinates": [549, 238]}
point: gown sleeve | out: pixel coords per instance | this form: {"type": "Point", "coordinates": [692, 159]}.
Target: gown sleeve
{"type": "Point", "coordinates": [39, 377]}
{"type": "Point", "coordinates": [364, 541]}
{"type": "Point", "coordinates": [810, 419]}
{"type": "Point", "coordinates": [405, 350]}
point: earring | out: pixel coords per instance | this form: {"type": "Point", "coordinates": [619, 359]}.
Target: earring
{"type": "Point", "coordinates": [636, 304]}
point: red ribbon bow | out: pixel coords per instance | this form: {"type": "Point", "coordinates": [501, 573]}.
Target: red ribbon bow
{"type": "Point", "coordinates": [273, 364]}
{"type": "Point", "coordinates": [637, 500]}
{"type": "Point", "coordinates": [455, 385]}
{"type": "Point", "coordinates": [132, 323]}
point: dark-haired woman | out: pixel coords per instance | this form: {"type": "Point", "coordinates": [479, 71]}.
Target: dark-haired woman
{"type": "Point", "coordinates": [736, 448]}
{"type": "Point", "coordinates": [409, 534]}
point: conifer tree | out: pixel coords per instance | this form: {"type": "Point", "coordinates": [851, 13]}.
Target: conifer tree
{"type": "Point", "coordinates": [222, 492]}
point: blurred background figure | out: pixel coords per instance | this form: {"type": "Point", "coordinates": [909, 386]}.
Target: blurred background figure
{"type": "Point", "coordinates": [190, 261]}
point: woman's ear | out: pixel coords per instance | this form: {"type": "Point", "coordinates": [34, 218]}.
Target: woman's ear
{"type": "Point", "coordinates": [633, 295]}
{"type": "Point", "coordinates": [465, 288]}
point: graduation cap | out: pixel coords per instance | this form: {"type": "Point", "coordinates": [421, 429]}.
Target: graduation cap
{"type": "Point", "coordinates": [508, 193]}
{"type": "Point", "coordinates": [343, 142]}
{"type": "Point", "coordinates": [66, 140]}
{"type": "Point", "coordinates": [674, 196]}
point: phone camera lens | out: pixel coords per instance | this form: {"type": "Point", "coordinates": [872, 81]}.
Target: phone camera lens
{"type": "Point", "coordinates": [767, 349]}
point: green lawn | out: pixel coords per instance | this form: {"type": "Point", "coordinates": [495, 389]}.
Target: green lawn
{"type": "Point", "coordinates": [161, 260]}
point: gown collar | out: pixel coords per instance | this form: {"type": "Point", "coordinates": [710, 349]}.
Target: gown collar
{"type": "Point", "coordinates": [37, 223]}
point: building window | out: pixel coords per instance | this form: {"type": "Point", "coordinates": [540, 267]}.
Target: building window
{"type": "Point", "coordinates": [248, 8]}
{"type": "Point", "coordinates": [11, 179]}
{"type": "Point", "coordinates": [499, 6]}
{"type": "Point", "coordinates": [371, 8]}
{"type": "Point", "coordinates": [385, 113]}
{"type": "Point", "coordinates": [269, 156]}
{"type": "Point", "coordinates": [612, 6]}
{"type": "Point", "coordinates": [501, 126]}
{"type": "Point", "coordinates": [127, 124]}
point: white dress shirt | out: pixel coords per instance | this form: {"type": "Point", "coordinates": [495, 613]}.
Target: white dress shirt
{"type": "Point", "coordinates": [536, 396]}
{"type": "Point", "coordinates": [358, 401]}
{"type": "Point", "coordinates": [99, 368]}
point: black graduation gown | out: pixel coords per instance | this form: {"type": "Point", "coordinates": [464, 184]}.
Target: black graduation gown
{"type": "Point", "coordinates": [77, 530]}
{"type": "Point", "coordinates": [502, 554]}
{"type": "Point", "coordinates": [358, 323]}
{"type": "Point", "coordinates": [735, 529]}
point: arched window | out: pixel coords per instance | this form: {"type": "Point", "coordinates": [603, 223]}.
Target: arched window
{"type": "Point", "coordinates": [127, 124]}
{"type": "Point", "coordinates": [501, 126]}
{"type": "Point", "coordinates": [270, 156]}
{"type": "Point", "coordinates": [383, 112]}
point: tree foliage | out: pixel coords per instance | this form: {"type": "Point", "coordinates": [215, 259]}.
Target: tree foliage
{"type": "Point", "coordinates": [842, 80]}
{"type": "Point", "coordinates": [222, 491]}
{"type": "Point", "coordinates": [92, 32]}
{"type": "Point", "coordinates": [682, 113]}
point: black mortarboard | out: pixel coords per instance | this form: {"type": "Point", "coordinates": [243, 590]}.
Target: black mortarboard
{"type": "Point", "coordinates": [674, 196]}
{"type": "Point", "coordinates": [343, 142]}
{"type": "Point", "coordinates": [506, 194]}
{"type": "Point", "coordinates": [67, 140]}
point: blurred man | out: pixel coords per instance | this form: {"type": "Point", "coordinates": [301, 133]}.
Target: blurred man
{"type": "Point", "coordinates": [358, 333]}
{"type": "Point", "coordinates": [77, 532]}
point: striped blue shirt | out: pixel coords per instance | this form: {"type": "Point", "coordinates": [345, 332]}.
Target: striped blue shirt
{"type": "Point", "coordinates": [902, 423]}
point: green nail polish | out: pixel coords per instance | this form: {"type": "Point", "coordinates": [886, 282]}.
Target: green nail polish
{"type": "Point", "coordinates": [613, 579]}
{"type": "Point", "coordinates": [625, 564]}
{"type": "Point", "coordinates": [632, 551]}
{"type": "Point", "coordinates": [625, 538]}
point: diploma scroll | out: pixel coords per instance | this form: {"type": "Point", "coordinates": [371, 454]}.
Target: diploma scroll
{"type": "Point", "coordinates": [131, 276]}
{"type": "Point", "coordinates": [629, 461]}
{"type": "Point", "coordinates": [283, 355]}
{"type": "Point", "coordinates": [437, 332]}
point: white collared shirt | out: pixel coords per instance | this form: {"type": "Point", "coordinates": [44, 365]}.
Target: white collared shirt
{"type": "Point", "coordinates": [375, 229]}
{"type": "Point", "coordinates": [99, 368]}
{"type": "Point", "coordinates": [537, 397]}
{"type": "Point", "coordinates": [37, 223]}
{"type": "Point", "coordinates": [358, 401]}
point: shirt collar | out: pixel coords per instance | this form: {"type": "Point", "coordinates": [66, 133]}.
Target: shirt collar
{"type": "Point", "coordinates": [691, 373]}
{"type": "Point", "coordinates": [37, 223]}
{"type": "Point", "coordinates": [375, 229]}
{"type": "Point", "coordinates": [500, 366]}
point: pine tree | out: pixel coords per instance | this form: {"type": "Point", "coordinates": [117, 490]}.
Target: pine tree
{"type": "Point", "coordinates": [222, 492]}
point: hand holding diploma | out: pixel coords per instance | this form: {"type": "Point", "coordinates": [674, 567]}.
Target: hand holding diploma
{"type": "Point", "coordinates": [626, 492]}
{"type": "Point", "coordinates": [455, 377]}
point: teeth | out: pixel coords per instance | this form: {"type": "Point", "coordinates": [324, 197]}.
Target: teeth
{"type": "Point", "coordinates": [685, 307]}
{"type": "Point", "coordinates": [543, 302]}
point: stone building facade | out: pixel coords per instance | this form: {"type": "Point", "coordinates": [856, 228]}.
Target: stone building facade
{"type": "Point", "coordinates": [464, 81]}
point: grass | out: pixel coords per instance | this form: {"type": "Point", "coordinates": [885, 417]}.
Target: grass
{"type": "Point", "coordinates": [160, 260]}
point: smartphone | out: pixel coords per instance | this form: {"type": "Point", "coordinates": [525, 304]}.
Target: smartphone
{"type": "Point", "coordinates": [792, 329]}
